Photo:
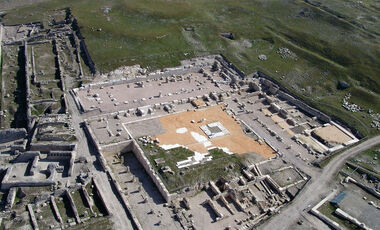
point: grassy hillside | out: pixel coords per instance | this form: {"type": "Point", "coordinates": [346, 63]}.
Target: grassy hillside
{"type": "Point", "coordinates": [329, 40]}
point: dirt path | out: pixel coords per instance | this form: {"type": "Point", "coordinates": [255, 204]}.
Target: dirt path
{"type": "Point", "coordinates": [316, 189]}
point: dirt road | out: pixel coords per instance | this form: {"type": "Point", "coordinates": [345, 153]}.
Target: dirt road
{"type": "Point", "coordinates": [315, 190]}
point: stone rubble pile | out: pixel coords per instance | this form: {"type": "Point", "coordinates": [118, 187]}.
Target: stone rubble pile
{"type": "Point", "coordinates": [375, 120]}
{"type": "Point", "coordinates": [127, 72]}
{"type": "Point", "coordinates": [147, 140]}
{"type": "Point", "coordinates": [262, 57]}
{"type": "Point", "coordinates": [375, 123]}
{"type": "Point", "coordinates": [286, 53]}
{"type": "Point", "coordinates": [350, 106]}
{"type": "Point", "coordinates": [366, 162]}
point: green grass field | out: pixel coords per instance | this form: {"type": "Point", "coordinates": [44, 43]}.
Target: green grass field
{"type": "Point", "coordinates": [332, 41]}
{"type": "Point", "coordinates": [369, 160]}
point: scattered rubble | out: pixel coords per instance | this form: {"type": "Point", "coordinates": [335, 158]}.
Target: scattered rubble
{"type": "Point", "coordinates": [262, 57]}
{"type": "Point", "coordinates": [350, 106]}
{"type": "Point", "coordinates": [286, 53]}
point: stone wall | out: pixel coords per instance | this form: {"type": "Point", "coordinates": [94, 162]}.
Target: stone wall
{"type": "Point", "coordinates": [362, 186]}
{"type": "Point", "coordinates": [27, 89]}
{"type": "Point", "coordinates": [125, 203]}
{"type": "Point", "coordinates": [43, 101]}
{"type": "Point", "coordinates": [76, 100]}
{"type": "Point", "coordinates": [350, 218]}
{"type": "Point", "coordinates": [59, 69]}
{"type": "Point", "coordinates": [26, 156]}
{"type": "Point", "coordinates": [156, 75]}
{"type": "Point", "coordinates": [282, 93]}
{"type": "Point", "coordinates": [150, 171]}
{"type": "Point", "coordinates": [55, 209]}
{"type": "Point", "coordinates": [19, 147]}
{"type": "Point", "coordinates": [92, 139]}
{"type": "Point", "coordinates": [8, 135]}
{"type": "Point", "coordinates": [71, 164]}
{"type": "Point", "coordinates": [73, 207]}
{"type": "Point", "coordinates": [303, 106]}
{"type": "Point", "coordinates": [11, 198]}
{"type": "Point", "coordinates": [63, 155]}
{"type": "Point", "coordinates": [49, 146]}
{"type": "Point", "coordinates": [15, 43]}
{"type": "Point", "coordinates": [33, 63]}
{"type": "Point", "coordinates": [116, 147]}
{"type": "Point", "coordinates": [325, 219]}
{"type": "Point", "coordinates": [89, 201]}
{"type": "Point", "coordinates": [38, 42]}
{"type": "Point", "coordinates": [1, 38]}
{"type": "Point", "coordinates": [83, 47]}
{"type": "Point", "coordinates": [32, 217]}
{"type": "Point", "coordinates": [59, 155]}
{"type": "Point", "coordinates": [34, 166]}
{"type": "Point", "coordinates": [123, 147]}
{"type": "Point", "coordinates": [120, 81]}
{"type": "Point", "coordinates": [232, 66]}
{"type": "Point", "coordinates": [7, 184]}
{"type": "Point", "coordinates": [100, 194]}
{"type": "Point", "coordinates": [132, 146]}
{"type": "Point", "coordinates": [64, 99]}
{"type": "Point", "coordinates": [75, 39]}
{"type": "Point", "coordinates": [90, 63]}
